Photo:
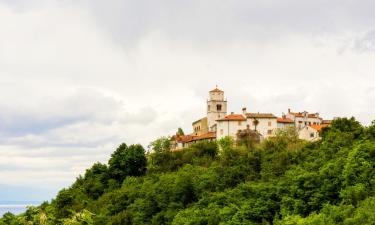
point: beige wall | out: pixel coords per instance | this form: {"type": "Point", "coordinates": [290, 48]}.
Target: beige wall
{"type": "Point", "coordinates": [229, 128]}
{"type": "Point", "coordinates": [301, 122]}
{"type": "Point", "coordinates": [266, 127]}
{"type": "Point", "coordinates": [200, 126]}
{"type": "Point", "coordinates": [308, 133]}
{"type": "Point", "coordinates": [285, 125]}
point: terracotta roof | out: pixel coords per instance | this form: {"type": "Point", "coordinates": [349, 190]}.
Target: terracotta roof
{"type": "Point", "coordinates": [296, 114]}
{"type": "Point", "coordinates": [312, 115]}
{"type": "Point", "coordinates": [318, 127]}
{"type": "Point", "coordinates": [183, 138]}
{"type": "Point", "coordinates": [260, 115]}
{"type": "Point", "coordinates": [233, 117]}
{"type": "Point", "coordinates": [190, 138]}
{"type": "Point", "coordinates": [208, 135]}
{"type": "Point", "coordinates": [284, 120]}
{"type": "Point", "coordinates": [216, 90]}
{"type": "Point", "coordinates": [300, 114]}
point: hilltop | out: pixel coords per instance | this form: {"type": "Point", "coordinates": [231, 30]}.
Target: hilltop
{"type": "Point", "coordinates": [282, 180]}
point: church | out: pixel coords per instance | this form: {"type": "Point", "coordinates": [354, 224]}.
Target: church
{"type": "Point", "coordinates": [218, 123]}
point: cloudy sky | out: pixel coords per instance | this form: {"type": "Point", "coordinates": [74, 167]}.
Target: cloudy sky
{"type": "Point", "coordinates": [78, 77]}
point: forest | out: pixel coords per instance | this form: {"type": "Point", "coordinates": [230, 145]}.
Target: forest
{"type": "Point", "coordinates": [282, 180]}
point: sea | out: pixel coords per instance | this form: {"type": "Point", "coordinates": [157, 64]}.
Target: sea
{"type": "Point", "coordinates": [15, 207]}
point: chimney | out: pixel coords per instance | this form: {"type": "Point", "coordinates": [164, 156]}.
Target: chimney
{"type": "Point", "coordinates": [244, 111]}
{"type": "Point", "coordinates": [231, 113]}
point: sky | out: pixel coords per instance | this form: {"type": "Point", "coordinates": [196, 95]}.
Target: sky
{"type": "Point", "coordinates": [79, 77]}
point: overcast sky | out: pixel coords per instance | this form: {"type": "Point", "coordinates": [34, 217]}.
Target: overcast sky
{"type": "Point", "coordinates": [77, 78]}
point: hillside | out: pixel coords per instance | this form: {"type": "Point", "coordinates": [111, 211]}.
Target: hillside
{"type": "Point", "coordinates": [282, 180]}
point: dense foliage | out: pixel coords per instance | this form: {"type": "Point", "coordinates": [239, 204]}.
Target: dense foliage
{"type": "Point", "coordinates": [282, 181]}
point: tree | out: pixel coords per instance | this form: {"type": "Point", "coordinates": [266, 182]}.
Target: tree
{"type": "Point", "coordinates": [127, 161]}
{"type": "Point", "coordinates": [248, 138]}
{"type": "Point", "coordinates": [370, 131]}
{"type": "Point", "coordinates": [180, 131]}
{"type": "Point", "coordinates": [255, 123]}
{"type": "Point", "coordinates": [162, 144]}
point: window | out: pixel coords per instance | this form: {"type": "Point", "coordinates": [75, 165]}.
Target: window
{"type": "Point", "coordinates": [299, 121]}
{"type": "Point", "coordinates": [218, 107]}
{"type": "Point", "coordinates": [209, 108]}
{"type": "Point", "coordinates": [239, 123]}
{"type": "Point", "coordinates": [221, 131]}
{"type": "Point", "coordinates": [312, 135]}
{"type": "Point", "coordinates": [269, 123]}
{"type": "Point", "coordinates": [269, 132]}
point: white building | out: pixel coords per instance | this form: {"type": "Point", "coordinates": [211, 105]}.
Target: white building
{"type": "Point", "coordinates": [264, 123]}
{"type": "Point", "coordinates": [230, 125]}
{"type": "Point", "coordinates": [302, 119]}
{"type": "Point", "coordinates": [310, 132]}
{"type": "Point", "coordinates": [284, 123]}
{"type": "Point", "coordinates": [216, 108]}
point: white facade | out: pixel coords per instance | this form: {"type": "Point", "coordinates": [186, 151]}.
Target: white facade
{"type": "Point", "coordinates": [216, 107]}
{"type": "Point", "coordinates": [266, 126]}
{"type": "Point", "coordinates": [284, 123]}
{"type": "Point", "coordinates": [230, 127]}
{"type": "Point", "coordinates": [302, 119]}
{"type": "Point", "coordinates": [308, 133]}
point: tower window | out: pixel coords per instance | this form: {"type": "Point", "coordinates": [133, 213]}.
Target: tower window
{"type": "Point", "coordinates": [209, 108]}
{"type": "Point", "coordinates": [218, 107]}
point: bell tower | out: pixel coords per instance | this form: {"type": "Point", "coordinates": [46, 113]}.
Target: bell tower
{"type": "Point", "coordinates": [216, 107]}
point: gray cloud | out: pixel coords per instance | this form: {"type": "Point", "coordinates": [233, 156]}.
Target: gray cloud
{"type": "Point", "coordinates": [77, 78]}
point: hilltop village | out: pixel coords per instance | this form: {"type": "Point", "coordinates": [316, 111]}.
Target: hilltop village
{"type": "Point", "coordinates": [218, 123]}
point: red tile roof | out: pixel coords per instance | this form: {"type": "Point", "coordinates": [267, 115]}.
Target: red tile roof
{"type": "Point", "coordinates": [183, 138]}
{"type": "Point", "coordinates": [190, 138]}
{"type": "Point", "coordinates": [233, 117]}
{"type": "Point", "coordinates": [300, 114]}
{"type": "Point", "coordinates": [260, 115]}
{"type": "Point", "coordinates": [209, 135]}
{"type": "Point", "coordinates": [318, 127]}
{"type": "Point", "coordinates": [284, 120]}
{"type": "Point", "coordinates": [297, 114]}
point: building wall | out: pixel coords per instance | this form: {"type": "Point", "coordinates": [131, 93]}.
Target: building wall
{"type": "Point", "coordinates": [216, 108]}
{"type": "Point", "coordinates": [266, 126]}
{"type": "Point", "coordinates": [301, 122]}
{"type": "Point", "coordinates": [200, 126]}
{"type": "Point", "coordinates": [308, 133]}
{"type": "Point", "coordinates": [285, 125]}
{"type": "Point", "coordinates": [229, 128]}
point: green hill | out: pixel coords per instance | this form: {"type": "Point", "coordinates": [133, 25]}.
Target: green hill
{"type": "Point", "coordinates": [282, 180]}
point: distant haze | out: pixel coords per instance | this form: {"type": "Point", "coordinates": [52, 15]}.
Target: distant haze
{"type": "Point", "coordinates": [77, 78]}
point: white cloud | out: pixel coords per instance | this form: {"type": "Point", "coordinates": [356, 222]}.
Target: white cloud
{"type": "Point", "coordinates": [77, 78]}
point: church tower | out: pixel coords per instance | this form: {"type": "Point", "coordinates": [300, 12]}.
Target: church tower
{"type": "Point", "coordinates": [216, 107]}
